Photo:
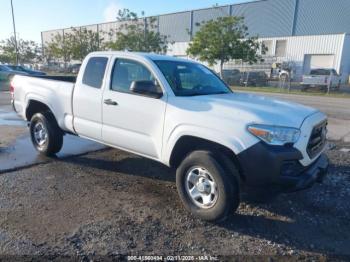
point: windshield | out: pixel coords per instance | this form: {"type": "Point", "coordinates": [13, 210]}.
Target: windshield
{"type": "Point", "coordinates": [322, 72]}
{"type": "Point", "coordinates": [191, 79]}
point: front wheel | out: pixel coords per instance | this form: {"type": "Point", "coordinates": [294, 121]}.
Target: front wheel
{"type": "Point", "coordinates": [207, 189]}
{"type": "Point", "coordinates": [45, 134]}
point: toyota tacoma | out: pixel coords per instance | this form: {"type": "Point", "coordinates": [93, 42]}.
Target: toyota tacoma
{"type": "Point", "coordinates": [178, 112]}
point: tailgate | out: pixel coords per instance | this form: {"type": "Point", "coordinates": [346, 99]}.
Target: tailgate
{"type": "Point", "coordinates": [315, 80]}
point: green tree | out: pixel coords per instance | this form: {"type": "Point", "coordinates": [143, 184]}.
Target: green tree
{"type": "Point", "coordinates": [82, 42]}
{"type": "Point", "coordinates": [29, 51]}
{"type": "Point", "coordinates": [58, 48]}
{"type": "Point", "coordinates": [136, 34]}
{"type": "Point", "coordinates": [76, 44]}
{"type": "Point", "coordinates": [224, 39]}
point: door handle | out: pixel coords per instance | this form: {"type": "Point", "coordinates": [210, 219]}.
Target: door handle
{"type": "Point", "coordinates": [110, 102]}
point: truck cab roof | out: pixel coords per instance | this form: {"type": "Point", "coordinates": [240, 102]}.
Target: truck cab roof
{"type": "Point", "coordinates": [151, 56]}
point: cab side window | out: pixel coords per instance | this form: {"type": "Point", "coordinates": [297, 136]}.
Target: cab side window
{"type": "Point", "coordinates": [95, 71]}
{"type": "Point", "coordinates": [126, 71]}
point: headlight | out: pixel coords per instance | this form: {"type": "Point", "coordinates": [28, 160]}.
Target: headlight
{"type": "Point", "coordinates": [275, 135]}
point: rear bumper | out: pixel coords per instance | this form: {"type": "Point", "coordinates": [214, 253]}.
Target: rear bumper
{"type": "Point", "coordinates": [13, 105]}
{"type": "Point", "coordinates": [278, 168]}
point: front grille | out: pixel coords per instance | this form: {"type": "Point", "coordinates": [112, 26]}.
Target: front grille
{"type": "Point", "coordinates": [317, 140]}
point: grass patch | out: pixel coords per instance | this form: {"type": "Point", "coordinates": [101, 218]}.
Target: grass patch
{"type": "Point", "coordinates": [277, 90]}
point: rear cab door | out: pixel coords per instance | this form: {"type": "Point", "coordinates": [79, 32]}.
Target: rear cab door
{"type": "Point", "coordinates": [133, 122]}
{"type": "Point", "coordinates": [87, 97]}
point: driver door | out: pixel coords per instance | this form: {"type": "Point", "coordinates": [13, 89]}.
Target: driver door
{"type": "Point", "coordinates": [131, 121]}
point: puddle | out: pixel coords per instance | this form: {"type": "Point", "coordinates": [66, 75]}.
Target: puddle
{"type": "Point", "coordinates": [22, 152]}
{"type": "Point", "coordinates": [10, 119]}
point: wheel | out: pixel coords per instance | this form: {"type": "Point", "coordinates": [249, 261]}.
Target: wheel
{"type": "Point", "coordinates": [284, 77]}
{"type": "Point", "coordinates": [208, 189]}
{"type": "Point", "coordinates": [45, 134]}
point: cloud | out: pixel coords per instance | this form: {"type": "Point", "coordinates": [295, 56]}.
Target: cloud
{"type": "Point", "coordinates": [111, 11]}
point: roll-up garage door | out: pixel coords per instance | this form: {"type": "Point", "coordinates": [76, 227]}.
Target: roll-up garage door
{"type": "Point", "coordinates": [318, 61]}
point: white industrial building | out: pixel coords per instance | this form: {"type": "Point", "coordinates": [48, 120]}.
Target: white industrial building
{"type": "Point", "coordinates": [305, 52]}
{"type": "Point", "coordinates": [305, 33]}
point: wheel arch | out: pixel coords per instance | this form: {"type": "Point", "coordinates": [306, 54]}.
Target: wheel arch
{"type": "Point", "coordinates": [35, 106]}
{"type": "Point", "coordinates": [187, 144]}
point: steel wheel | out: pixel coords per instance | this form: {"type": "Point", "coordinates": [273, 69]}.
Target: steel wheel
{"type": "Point", "coordinates": [40, 134]}
{"type": "Point", "coordinates": [201, 187]}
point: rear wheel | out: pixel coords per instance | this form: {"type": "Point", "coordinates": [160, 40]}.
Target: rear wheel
{"type": "Point", "coordinates": [45, 133]}
{"type": "Point", "coordinates": [206, 187]}
{"type": "Point", "coordinates": [284, 77]}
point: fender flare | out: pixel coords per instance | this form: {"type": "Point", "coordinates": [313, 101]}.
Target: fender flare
{"type": "Point", "coordinates": [231, 142]}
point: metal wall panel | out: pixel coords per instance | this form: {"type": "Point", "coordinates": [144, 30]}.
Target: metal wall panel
{"type": "Point", "coordinates": [70, 30]}
{"type": "Point", "coordinates": [48, 36]}
{"type": "Point", "coordinates": [175, 26]}
{"type": "Point", "coordinates": [267, 18]}
{"type": "Point", "coordinates": [105, 29]}
{"type": "Point", "coordinates": [205, 15]}
{"type": "Point", "coordinates": [92, 28]}
{"type": "Point", "coordinates": [315, 17]}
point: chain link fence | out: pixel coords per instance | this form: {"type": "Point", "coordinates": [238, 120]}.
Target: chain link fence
{"type": "Point", "coordinates": [273, 72]}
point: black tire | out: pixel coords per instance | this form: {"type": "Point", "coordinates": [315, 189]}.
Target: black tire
{"type": "Point", "coordinates": [54, 141]}
{"type": "Point", "coordinates": [225, 177]}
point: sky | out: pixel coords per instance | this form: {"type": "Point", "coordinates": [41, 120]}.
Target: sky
{"type": "Point", "coordinates": [34, 16]}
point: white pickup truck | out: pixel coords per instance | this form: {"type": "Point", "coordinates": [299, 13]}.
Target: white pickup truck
{"type": "Point", "coordinates": [326, 78]}
{"type": "Point", "coordinates": [179, 113]}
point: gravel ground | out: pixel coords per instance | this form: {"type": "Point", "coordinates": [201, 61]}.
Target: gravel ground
{"type": "Point", "coordinates": [111, 203]}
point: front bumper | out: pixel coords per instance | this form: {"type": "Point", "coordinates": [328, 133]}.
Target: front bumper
{"type": "Point", "coordinates": [278, 168]}
{"type": "Point", "coordinates": [308, 177]}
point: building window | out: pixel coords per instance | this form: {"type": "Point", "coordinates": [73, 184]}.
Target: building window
{"type": "Point", "coordinates": [281, 46]}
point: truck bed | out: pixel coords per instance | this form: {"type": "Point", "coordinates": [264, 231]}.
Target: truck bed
{"type": "Point", "coordinates": [54, 91]}
{"type": "Point", "coordinates": [69, 79]}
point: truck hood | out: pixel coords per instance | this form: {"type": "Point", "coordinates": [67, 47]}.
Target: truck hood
{"type": "Point", "coordinates": [254, 109]}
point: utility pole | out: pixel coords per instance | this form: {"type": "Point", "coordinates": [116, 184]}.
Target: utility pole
{"type": "Point", "coordinates": [15, 34]}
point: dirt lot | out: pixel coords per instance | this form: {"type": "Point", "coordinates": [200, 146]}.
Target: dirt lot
{"type": "Point", "coordinates": [110, 203]}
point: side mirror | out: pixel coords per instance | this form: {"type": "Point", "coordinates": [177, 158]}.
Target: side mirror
{"type": "Point", "coordinates": [146, 88]}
